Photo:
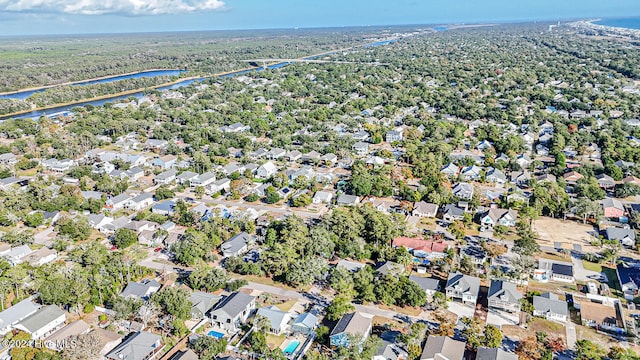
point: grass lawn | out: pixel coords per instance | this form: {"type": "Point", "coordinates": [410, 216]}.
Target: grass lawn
{"type": "Point", "coordinates": [614, 283]}
{"type": "Point", "coordinates": [274, 341]}
{"type": "Point", "coordinates": [286, 306]}
{"type": "Point", "coordinates": [550, 327]}
{"type": "Point", "coordinates": [555, 257]}
{"type": "Point", "coordinates": [28, 172]}
{"type": "Point", "coordinates": [592, 266]}
{"type": "Point", "coordinates": [268, 281]}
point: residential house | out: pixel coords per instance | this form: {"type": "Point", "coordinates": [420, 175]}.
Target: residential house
{"type": "Point", "coordinates": [276, 318]}
{"type": "Point", "coordinates": [140, 202]}
{"type": "Point", "coordinates": [134, 174]}
{"type": "Point", "coordinates": [493, 217]}
{"type": "Point", "coordinates": [485, 353]}
{"type": "Point", "coordinates": [107, 341]}
{"type": "Point", "coordinates": [218, 186]}
{"type": "Point", "coordinates": [390, 349]}
{"type": "Point", "coordinates": [463, 191]}
{"type": "Point", "coordinates": [164, 208]}
{"type": "Point", "coordinates": [613, 208]}
{"type": "Point", "coordinates": [186, 177]}
{"type": "Point", "coordinates": [16, 255]}
{"type": "Point", "coordinates": [266, 170]}
{"type": "Point", "coordinates": [237, 245]}
{"type": "Point", "coordinates": [7, 183]}
{"type": "Point", "coordinates": [41, 256]}
{"type": "Point", "coordinates": [234, 128]}
{"type": "Point", "coordinates": [504, 296]}
{"type": "Point", "coordinates": [294, 155]}
{"type": "Point", "coordinates": [203, 180]}
{"type": "Point", "coordinates": [140, 345]}
{"type": "Point", "coordinates": [471, 173]}
{"type": "Point", "coordinates": [394, 135]}
{"type": "Point", "coordinates": [16, 313]}
{"type": "Point", "coordinates": [8, 159]}
{"type": "Point", "coordinates": [187, 354]}
{"type": "Point", "coordinates": [352, 266]}
{"type": "Point", "coordinates": [452, 212]}
{"type": "Point", "coordinates": [156, 144]}
{"type": "Point", "coordinates": [420, 248]}
{"type": "Point", "coordinates": [523, 161]}
{"type": "Point", "coordinates": [166, 177]}
{"type": "Point", "coordinates": [463, 288]}
{"type": "Point", "coordinates": [42, 322]}
{"type": "Point", "coordinates": [521, 178]}
{"type": "Point", "coordinates": [118, 202]}
{"type": "Point", "coordinates": [549, 307]}
{"type": "Point", "coordinates": [442, 348]}
{"type": "Point", "coordinates": [233, 311]}
{"type": "Point", "coordinates": [605, 181]}
{"type": "Point", "coordinates": [165, 162]}
{"type": "Point", "coordinates": [451, 170]}
{"type": "Point", "coordinates": [496, 176]}
{"type": "Point", "coordinates": [390, 268]}
{"type": "Point", "coordinates": [57, 340]}
{"type": "Point", "coordinates": [351, 324]}
{"type": "Point", "coordinates": [347, 200]}
{"type": "Point", "coordinates": [276, 153]}
{"type": "Point", "coordinates": [429, 285]}
{"type": "Point", "coordinates": [329, 159]}
{"type": "Point", "coordinates": [311, 157]}
{"type": "Point", "coordinates": [425, 209]}
{"type": "Point", "coordinates": [141, 290]}
{"type": "Point", "coordinates": [202, 303]}
{"type": "Point", "coordinates": [626, 237]}
{"type": "Point", "coordinates": [321, 197]}
{"type": "Point", "coordinates": [304, 323]}
{"type": "Point", "coordinates": [361, 135]}
{"type": "Point", "coordinates": [361, 148]}
{"type": "Point", "coordinates": [600, 316]}
{"type": "Point", "coordinates": [572, 177]}
{"type": "Point", "coordinates": [629, 277]}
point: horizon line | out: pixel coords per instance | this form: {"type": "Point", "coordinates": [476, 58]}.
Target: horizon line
{"type": "Point", "coordinates": [296, 28]}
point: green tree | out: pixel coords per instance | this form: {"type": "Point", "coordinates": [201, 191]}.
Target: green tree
{"type": "Point", "coordinates": [492, 336]}
{"type": "Point", "coordinates": [587, 350]}
{"type": "Point", "coordinates": [338, 307]}
{"type": "Point", "coordinates": [173, 301]}
{"type": "Point", "coordinates": [125, 238]}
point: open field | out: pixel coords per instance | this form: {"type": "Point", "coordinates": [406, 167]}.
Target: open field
{"type": "Point", "coordinates": [568, 232]}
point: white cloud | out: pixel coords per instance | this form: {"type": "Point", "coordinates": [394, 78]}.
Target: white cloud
{"type": "Point", "coordinates": [100, 7]}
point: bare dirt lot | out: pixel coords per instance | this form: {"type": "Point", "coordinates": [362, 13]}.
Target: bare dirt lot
{"type": "Point", "coordinates": [567, 232]}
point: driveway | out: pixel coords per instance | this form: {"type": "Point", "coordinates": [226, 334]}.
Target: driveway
{"type": "Point", "coordinates": [461, 310]}
{"type": "Point", "coordinates": [580, 273]}
{"type": "Point", "coordinates": [499, 318]}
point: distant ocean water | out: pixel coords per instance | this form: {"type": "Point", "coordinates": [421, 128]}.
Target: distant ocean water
{"type": "Point", "coordinates": [628, 23]}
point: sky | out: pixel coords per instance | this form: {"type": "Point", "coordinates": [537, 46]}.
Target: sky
{"type": "Point", "coordinates": [28, 17]}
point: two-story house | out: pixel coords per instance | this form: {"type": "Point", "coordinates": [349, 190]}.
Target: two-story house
{"type": "Point", "coordinates": [233, 311]}
{"type": "Point", "coordinates": [504, 296]}
{"type": "Point", "coordinates": [463, 288]}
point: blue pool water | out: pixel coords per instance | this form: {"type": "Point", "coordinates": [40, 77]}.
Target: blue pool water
{"type": "Point", "coordinates": [291, 347]}
{"type": "Point", "coordinates": [215, 334]}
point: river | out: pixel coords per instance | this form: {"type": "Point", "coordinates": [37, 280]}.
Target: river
{"type": "Point", "coordinates": [23, 94]}
{"type": "Point", "coordinates": [66, 109]}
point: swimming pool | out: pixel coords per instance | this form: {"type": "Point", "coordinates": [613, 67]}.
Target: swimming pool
{"type": "Point", "coordinates": [215, 334]}
{"type": "Point", "coordinates": [291, 347]}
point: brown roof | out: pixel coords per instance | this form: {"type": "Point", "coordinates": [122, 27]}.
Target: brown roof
{"type": "Point", "coordinates": [601, 314]}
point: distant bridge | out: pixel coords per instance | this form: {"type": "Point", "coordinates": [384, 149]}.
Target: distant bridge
{"type": "Point", "coordinates": [267, 62]}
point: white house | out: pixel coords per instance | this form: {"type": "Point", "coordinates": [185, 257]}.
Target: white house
{"type": "Point", "coordinates": [233, 311]}
{"type": "Point", "coordinates": [322, 197]}
{"type": "Point", "coordinates": [11, 316]}
{"type": "Point", "coordinates": [548, 306]}
{"type": "Point", "coordinates": [140, 202]}
{"type": "Point", "coordinates": [266, 170]}
{"type": "Point", "coordinates": [43, 322]}
{"type": "Point", "coordinates": [203, 180]}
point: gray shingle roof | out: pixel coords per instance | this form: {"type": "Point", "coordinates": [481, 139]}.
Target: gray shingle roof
{"type": "Point", "coordinates": [443, 347]}
{"type": "Point", "coordinates": [485, 353]}
{"type": "Point", "coordinates": [235, 303]}
{"type": "Point", "coordinates": [427, 284]}
{"type": "Point", "coordinates": [17, 312]}
{"type": "Point", "coordinates": [504, 291]}
{"type": "Point", "coordinates": [352, 323]}
{"type": "Point", "coordinates": [468, 284]}
{"type": "Point", "coordinates": [137, 347]}
{"type": "Point", "coordinates": [40, 318]}
{"type": "Point", "coordinates": [549, 303]}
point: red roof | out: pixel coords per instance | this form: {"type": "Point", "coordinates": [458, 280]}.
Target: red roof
{"type": "Point", "coordinates": [420, 245]}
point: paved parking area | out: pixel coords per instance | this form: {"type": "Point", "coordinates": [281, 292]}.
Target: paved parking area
{"type": "Point", "coordinates": [461, 310]}
{"type": "Point", "coordinates": [499, 318]}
